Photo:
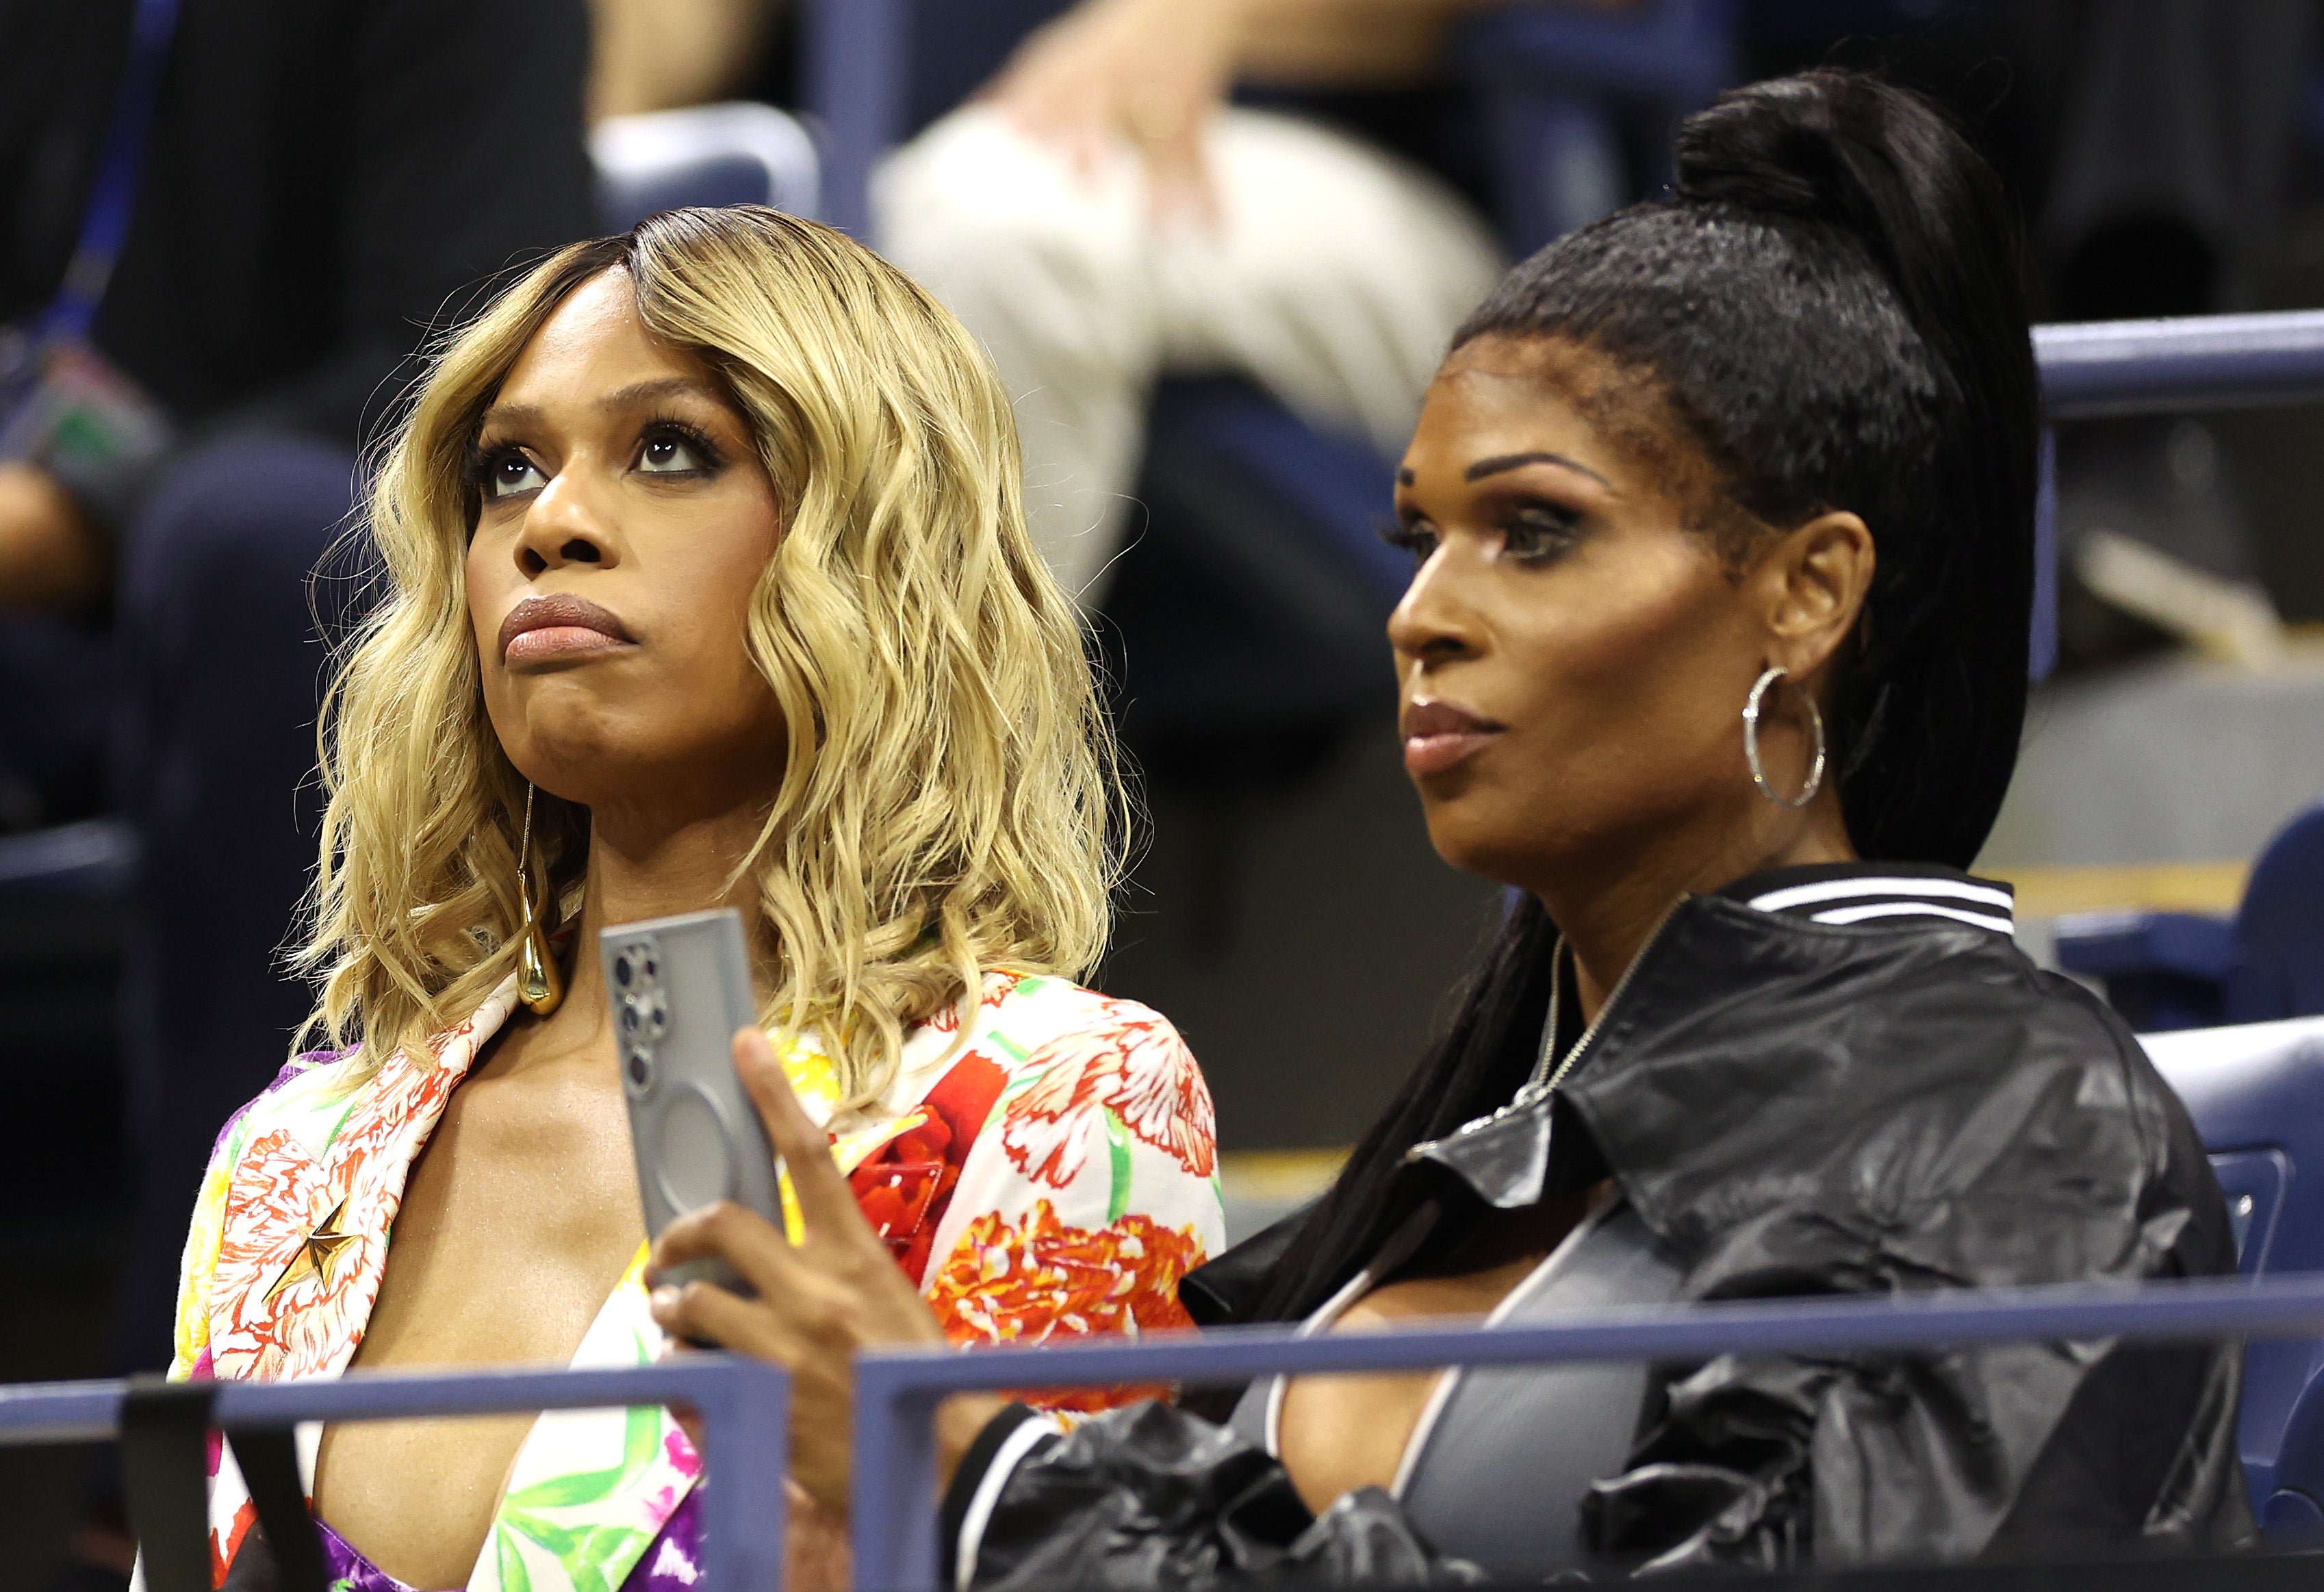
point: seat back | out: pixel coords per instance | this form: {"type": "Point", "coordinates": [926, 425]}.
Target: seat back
{"type": "Point", "coordinates": [2256, 1092]}
{"type": "Point", "coordinates": [2279, 932]}
{"type": "Point", "coordinates": [705, 154]}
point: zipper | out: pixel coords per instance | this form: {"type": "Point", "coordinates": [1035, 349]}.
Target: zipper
{"type": "Point", "coordinates": [1581, 1045]}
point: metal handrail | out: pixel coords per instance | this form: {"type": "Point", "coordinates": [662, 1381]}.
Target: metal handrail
{"type": "Point", "coordinates": [2116, 367]}
{"type": "Point", "coordinates": [893, 1503]}
{"type": "Point", "coordinates": [745, 1409]}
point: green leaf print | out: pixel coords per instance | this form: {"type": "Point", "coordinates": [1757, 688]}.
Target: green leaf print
{"type": "Point", "coordinates": [1117, 1144]}
{"type": "Point", "coordinates": [514, 1577]}
{"type": "Point", "coordinates": [558, 1540]}
{"type": "Point", "coordinates": [584, 1551]}
{"type": "Point", "coordinates": [640, 1441]}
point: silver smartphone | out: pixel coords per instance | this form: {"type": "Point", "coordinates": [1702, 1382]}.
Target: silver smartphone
{"type": "Point", "coordinates": [680, 987]}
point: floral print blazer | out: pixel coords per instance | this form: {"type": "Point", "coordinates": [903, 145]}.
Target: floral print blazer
{"type": "Point", "coordinates": [1053, 1175]}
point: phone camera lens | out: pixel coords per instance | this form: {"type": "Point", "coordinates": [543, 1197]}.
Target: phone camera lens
{"type": "Point", "coordinates": [640, 1068]}
{"type": "Point", "coordinates": [656, 1016]}
{"type": "Point", "coordinates": [621, 971]}
{"type": "Point", "coordinates": [652, 967]}
{"type": "Point", "coordinates": [630, 1016]}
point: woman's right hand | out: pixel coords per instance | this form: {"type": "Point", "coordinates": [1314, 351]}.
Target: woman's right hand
{"type": "Point", "coordinates": [820, 1301]}
{"type": "Point", "coordinates": [1149, 73]}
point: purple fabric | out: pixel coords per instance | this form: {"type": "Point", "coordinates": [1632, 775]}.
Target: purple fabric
{"type": "Point", "coordinates": [350, 1571]}
{"type": "Point", "coordinates": [672, 1563]}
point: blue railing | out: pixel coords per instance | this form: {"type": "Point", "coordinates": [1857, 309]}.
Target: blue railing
{"type": "Point", "coordinates": [2113, 367]}
{"type": "Point", "coordinates": [745, 1411]}
{"type": "Point", "coordinates": [895, 1394]}
{"type": "Point", "coordinates": [744, 1406]}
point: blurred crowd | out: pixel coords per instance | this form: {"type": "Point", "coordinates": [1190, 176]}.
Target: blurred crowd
{"type": "Point", "coordinates": [233, 227]}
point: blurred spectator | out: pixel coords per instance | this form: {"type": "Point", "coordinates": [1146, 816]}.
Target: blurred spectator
{"type": "Point", "coordinates": [1100, 216]}
{"type": "Point", "coordinates": [320, 184]}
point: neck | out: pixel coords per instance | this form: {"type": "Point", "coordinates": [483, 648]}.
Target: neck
{"type": "Point", "coordinates": [1608, 914]}
{"type": "Point", "coordinates": [648, 865]}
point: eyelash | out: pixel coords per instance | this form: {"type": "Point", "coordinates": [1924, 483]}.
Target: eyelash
{"type": "Point", "coordinates": [1408, 538]}
{"type": "Point", "coordinates": [1543, 522]}
{"type": "Point", "coordinates": [1533, 523]}
{"type": "Point", "coordinates": [693, 436]}
{"type": "Point", "coordinates": [477, 463]}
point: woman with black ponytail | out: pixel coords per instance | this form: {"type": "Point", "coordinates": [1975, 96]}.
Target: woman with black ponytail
{"type": "Point", "coordinates": [1716, 651]}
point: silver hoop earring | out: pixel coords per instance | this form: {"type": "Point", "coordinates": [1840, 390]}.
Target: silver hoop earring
{"type": "Point", "coordinates": [1751, 742]}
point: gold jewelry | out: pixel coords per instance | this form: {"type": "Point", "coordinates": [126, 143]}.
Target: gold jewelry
{"type": "Point", "coordinates": [540, 982]}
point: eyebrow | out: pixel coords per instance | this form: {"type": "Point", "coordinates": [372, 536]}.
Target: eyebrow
{"type": "Point", "coordinates": [1510, 461]}
{"type": "Point", "coordinates": [620, 398]}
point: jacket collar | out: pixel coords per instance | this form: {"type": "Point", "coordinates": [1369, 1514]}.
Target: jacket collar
{"type": "Point", "coordinates": [1883, 911]}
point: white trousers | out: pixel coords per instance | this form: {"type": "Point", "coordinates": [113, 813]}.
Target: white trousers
{"type": "Point", "coordinates": [1334, 276]}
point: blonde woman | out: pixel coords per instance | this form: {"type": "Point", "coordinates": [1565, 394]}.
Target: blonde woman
{"type": "Point", "coordinates": [710, 585]}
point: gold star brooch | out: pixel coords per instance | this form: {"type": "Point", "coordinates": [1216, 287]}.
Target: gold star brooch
{"type": "Point", "coordinates": [318, 1252]}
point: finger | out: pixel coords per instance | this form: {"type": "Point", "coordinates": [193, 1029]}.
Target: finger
{"type": "Point", "coordinates": [743, 1239]}
{"type": "Point", "coordinates": [688, 1418]}
{"type": "Point", "coordinates": [703, 1313]}
{"type": "Point", "coordinates": [826, 1200]}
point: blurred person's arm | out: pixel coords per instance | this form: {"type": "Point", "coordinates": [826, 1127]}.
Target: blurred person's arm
{"type": "Point", "coordinates": [655, 55]}
{"type": "Point", "coordinates": [1154, 71]}
{"type": "Point", "coordinates": [1358, 43]}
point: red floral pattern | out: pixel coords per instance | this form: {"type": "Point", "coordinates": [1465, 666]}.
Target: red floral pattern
{"type": "Point", "coordinates": [903, 1186]}
{"type": "Point", "coordinates": [1005, 1283]}
{"type": "Point", "coordinates": [1139, 1069]}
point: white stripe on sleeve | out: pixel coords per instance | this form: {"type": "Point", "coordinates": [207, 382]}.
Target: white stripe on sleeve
{"type": "Point", "coordinates": [981, 1503]}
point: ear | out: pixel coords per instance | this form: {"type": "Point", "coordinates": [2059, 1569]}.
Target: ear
{"type": "Point", "coordinates": [1812, 586]}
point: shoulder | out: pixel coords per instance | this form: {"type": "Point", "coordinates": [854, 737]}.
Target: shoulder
{"type": "Point", "coordinates": [1030, 1026]}
{"type": "Point", "coordinates": [1020, 1013]}
{"type": "Point", "coordinates": [1072, 1062]}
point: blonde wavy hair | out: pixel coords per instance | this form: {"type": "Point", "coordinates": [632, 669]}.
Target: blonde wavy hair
{"type": "Point", "coordinates": [951, 803]}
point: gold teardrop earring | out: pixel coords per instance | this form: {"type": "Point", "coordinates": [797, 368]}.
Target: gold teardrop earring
{"type": "Point", "coordinates": [539, 983]}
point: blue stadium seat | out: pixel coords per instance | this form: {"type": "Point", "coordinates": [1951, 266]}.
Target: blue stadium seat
{"type": "Point", "coordinates": [2256, 1094]}
{"type": "Point", "coordinates": [2167, 970]}
{"type": "Point", "coordinates": [710, 154]}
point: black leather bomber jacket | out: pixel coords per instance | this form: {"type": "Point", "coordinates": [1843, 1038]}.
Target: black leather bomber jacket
{"type": "Point", "coordinates": [1796, 1099]}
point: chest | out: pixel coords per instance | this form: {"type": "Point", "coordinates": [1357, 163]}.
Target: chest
{"type": "Point", "coordinates": [1490, 1463]}
{"type": "Point", "coordinates": [519, 1215]}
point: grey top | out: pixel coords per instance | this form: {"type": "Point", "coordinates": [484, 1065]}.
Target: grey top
{"type": "Point", "coordinates": [1496, 1468]}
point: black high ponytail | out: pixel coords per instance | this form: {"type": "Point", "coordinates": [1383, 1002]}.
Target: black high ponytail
{"type": "Point", "coordinates": [1832, 302]}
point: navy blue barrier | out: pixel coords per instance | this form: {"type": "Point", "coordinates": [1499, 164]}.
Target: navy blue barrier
{"type": "Point", "coordinates": [896, 1393]}
{"type": "Point", "coordinates": [2118, 367]}
{"type": "Point", "coordinates": [745, 1409]}
{"type": "Point", "coordinates": [2094, 369]}
{"type": "Point", "coordinates": [744, 1405]}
